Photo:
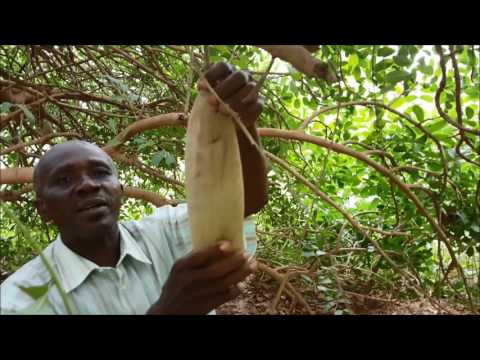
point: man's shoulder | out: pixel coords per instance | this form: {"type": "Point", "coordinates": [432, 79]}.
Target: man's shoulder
{"type": "Point", "coordinates": [32, 274]}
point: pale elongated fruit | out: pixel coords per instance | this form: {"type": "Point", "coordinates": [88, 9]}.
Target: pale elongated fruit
{"type": "Point", "coordinates": [214, 181]}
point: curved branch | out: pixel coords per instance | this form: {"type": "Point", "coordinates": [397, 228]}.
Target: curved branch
{"type": "Point", "coordinates": [38, 141]}
{"type": "Point", "coordinates": [142, 125]}
{"type": "Point", "coordinates": [10, 176]}
{"type": "Point", "coordinates": [139, 165]}
{"type": "Point", "coordinates": [149, 196]}
{"type": "Point", "coordinates": [297, 135]}
{"type": "Point", "coordinates": [292, 291]}
{"type": "Point", "coordinates": [129, 191]}
{"type": "Point", "coordinates": [458, 87]}
{"type": "Point", "coordinates": [302, 60]}
{"type": "Point", "coordinates": [393, 111]}
{"type": "Point", "coordinates": [413, 168]}
{"type": "Point", "coordinates": [347, 216]}
{"type": "Point", "coordinates": [477, 197]}
{"type": "Point", "coordinates": [438, 93]}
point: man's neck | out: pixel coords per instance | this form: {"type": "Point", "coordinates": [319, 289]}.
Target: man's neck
{"type": "Point", "coordinates": [102, 248]}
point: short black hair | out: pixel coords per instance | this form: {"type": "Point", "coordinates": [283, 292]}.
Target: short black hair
{"type": "Point", "coordinates": [41, 164]}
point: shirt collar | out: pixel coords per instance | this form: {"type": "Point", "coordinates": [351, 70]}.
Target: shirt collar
{"type": "Point", "coordinates": [74, 269]}
{"type": "Point", "coordinates": [129, 246]}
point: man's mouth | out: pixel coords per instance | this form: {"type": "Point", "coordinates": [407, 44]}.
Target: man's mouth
{"type": "Point", "coordinates": [92, 205]}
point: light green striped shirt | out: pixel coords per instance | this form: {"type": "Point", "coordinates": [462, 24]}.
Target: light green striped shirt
{"type": "Point", "coordinates": [148, 249]}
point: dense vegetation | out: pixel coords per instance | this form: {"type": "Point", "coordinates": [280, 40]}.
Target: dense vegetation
{"type": "Point", "coordinates": [374, 179]}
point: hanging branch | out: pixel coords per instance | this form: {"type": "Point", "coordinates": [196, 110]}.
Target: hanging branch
{"type": "Point", "coordinates": [438, 93]}
{"type": "Point", "coordinates": [458, 109]}
{"type": "Point", "coordinates": [302, 60]}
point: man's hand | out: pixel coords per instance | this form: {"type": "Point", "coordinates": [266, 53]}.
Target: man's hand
{"type": "Point", "coordinates": [234, 87]}
{"type": "Point", "coordinates": [203, 280]}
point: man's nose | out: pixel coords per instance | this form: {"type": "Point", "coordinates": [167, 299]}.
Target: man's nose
{"type": "Point", "coordinates": [86, 185]}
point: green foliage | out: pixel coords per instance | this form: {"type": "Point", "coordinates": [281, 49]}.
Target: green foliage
{"type": "Point", "coordinates": [296, 227]}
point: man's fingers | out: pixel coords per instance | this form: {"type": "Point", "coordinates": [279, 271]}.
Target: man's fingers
{"type": "Point", "coordinates": [240, 275]}
{"type": "Point", "coordinates": [224, 296]}
{"type": "Point", "coordinates": [218, 72]}
{"type": "Point", "coordinates": [237, 100]}
{"type": "Point", "coordinates": [224, 266]}
{"type": "Point", "coordinates": [203, 257]}
{"type": "Point", "coordinates": [251, 114]}
{"type": "Point", "coordinates": [231, 84]}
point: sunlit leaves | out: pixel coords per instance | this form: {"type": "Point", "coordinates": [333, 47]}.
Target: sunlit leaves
{"type": "Point", "coordinates": [396, 76]}
{"type": "Point", "coordinates": [385, 51]}
{"type": "Point", "coordinates": [418, 112]}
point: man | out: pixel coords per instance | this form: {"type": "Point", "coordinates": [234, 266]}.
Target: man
{"type": "Point", "coordinates": [108, 267]}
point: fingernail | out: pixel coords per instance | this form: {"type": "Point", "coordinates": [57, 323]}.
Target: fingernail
{"type": "Point", "coordinates": [225, 246]}
{"type": "Point", "coordinates": [212, 101]}
{"type": "Point", "coordinates": [253, 266]}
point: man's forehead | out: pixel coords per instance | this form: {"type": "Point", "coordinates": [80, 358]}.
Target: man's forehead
{"type": "Point", "coordinates": [71, 154]}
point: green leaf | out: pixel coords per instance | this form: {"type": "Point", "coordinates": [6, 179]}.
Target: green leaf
{"type": "Point", "coordinates": [424, 68]}
{"type": "Point", "coordinates": [402, 100]}
{"type": "Point", "coordinates": [402, 60]}
{"type": "Point", "coordinates": [157, 158]}
{"type": "Point", "coordinates": [385, 51]}
{"type": "Point", "coordinates": [165, 158]}
{"type": "Point", "coordinates": [418, 112]}
{"type": "Point", "coordinates": [222, 48]}
{"type": "Point", "coordinates": [27, 112]}
{"type": "Point", "coordinates": [434, 127]}
{"type": "Point", "coordinates": [5, 107]}
{"type": "Point", "coordinates": [35, 292]}
{"type": "Point", "coordinates": [112, 124]}
{"type": "Point", "coordinates": [353, 60]}
{"type": "Point", "coordinates": [384, 64]}
{"type": "Point", "coordinates": [41, 306]}
{"type": "Point", "coordinates": [296, 103]}
{"type": "Point", "coordinates": [473, 92]}
{"type": "Point", "coordinates": [396, 76]}
{"type": "Point", "coordinates": [418, 147]}
{"type": "Point", "coordinates": [469, 112]}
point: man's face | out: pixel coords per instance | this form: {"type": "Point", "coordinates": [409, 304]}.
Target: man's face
{"type": "Point", "coordinates": [79, 190]}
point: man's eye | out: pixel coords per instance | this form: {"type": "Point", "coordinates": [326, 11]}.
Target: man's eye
{"type": "Point", "coordinates": [63, 180]}
{"type": "Point", "coordinates": [101, 172]}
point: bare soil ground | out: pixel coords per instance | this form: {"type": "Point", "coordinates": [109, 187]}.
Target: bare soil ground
{"type": "Point", "coordinates": [258, 296]}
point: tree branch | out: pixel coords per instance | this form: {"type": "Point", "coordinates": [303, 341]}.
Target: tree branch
{"type": "Point", "coordinates": [302, 60]}
{"type": "Point", "coordinates": [297, 135]}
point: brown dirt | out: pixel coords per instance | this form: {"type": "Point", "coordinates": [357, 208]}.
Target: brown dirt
{"type": "Point", "coordinates": [258, 295]}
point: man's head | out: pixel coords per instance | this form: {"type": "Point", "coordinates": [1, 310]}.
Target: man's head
{"type": "Point", "coordinates": [78, 189]}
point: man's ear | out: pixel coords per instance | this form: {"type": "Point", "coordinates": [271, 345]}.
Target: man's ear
{"type": "Point", "coordinates": [42, 210]}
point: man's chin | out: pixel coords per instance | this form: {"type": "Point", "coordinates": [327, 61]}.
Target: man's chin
{"type": "Point", "coordinates": [99, 222]}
